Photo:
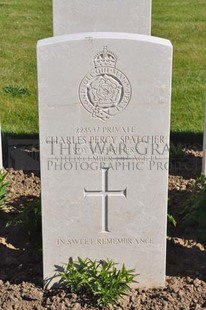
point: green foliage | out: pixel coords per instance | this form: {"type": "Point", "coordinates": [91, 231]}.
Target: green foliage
{"type": "Point", "coordinates": [101, 281]}
{"type": "Point", "coordinates": [24, 22]}
{"type": "Point", "coordinates": [182, 21]}
{"type": "Point", "coordinates": [16, 91]}
{"type": "Point", "coordinates": [3, 189]}
{"type": "Point", "coordinates": [195, 208]}
{"type": "Point", "coordinates": [171, 220]}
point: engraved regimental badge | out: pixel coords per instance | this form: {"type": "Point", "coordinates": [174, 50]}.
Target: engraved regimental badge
{"type": "Point", "coordinates": [105, 91]}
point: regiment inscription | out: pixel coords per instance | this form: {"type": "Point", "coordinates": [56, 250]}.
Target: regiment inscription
{"type": "Point", "coordinates": [105, 91]}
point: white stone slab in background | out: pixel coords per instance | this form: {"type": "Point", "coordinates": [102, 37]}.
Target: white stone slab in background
{"type": "Point", "coordinates": [104, 109]}
{"type": "Point", "coordinates": [74, 16]}
{"type": "Point", "coordinates": [1, 152]}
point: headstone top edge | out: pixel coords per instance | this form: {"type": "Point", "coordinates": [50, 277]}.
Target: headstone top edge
{"type": "Point", "coordinates": [104, 35]}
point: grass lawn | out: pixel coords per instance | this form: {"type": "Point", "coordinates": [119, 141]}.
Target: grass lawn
{"type": "Point", "coordinates": [23, 22]}
{"type": "Point", "coordinates": [184, 23]}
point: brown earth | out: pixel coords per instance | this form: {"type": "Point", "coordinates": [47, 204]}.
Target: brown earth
{"type": "Point", "coordinates": [21, 263]}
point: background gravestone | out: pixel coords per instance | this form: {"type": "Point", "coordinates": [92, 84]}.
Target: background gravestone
{"type": "Point", "coordinates": [104, 104]}
{"type": "Point", "coordinates": [74, 16]}
{"type": "Point", "coordinates": [23, 154]}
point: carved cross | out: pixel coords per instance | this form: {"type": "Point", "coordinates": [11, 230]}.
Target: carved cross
{"type": "Point", "coordinates": [105, 193]}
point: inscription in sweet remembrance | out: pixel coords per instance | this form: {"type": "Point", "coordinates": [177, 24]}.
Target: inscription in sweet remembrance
{"type": "Point", "coordinates": [105, 241]}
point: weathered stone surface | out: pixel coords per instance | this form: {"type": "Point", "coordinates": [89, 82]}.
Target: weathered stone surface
{"type": "Point", "coordinates": [73, 16]}
{"type": "Point", "coordinates": [104, 104]}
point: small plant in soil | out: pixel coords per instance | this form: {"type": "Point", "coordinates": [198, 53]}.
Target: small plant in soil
{"type": "Point", "coordinates": [171, 223]}
{"type": "Point", "coordinates": [101, 281]}
{"type": "Point", "coordinates": [194, 213]}
{"type": "Point", "coordinates": [171, 220]}
{"type": "Point", "coordinates": [3, 189]}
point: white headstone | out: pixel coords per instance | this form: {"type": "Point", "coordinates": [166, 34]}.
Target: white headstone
{"type": "Point", "coordinates": [74, 16]}
{"type": "Point", "coordinates": [104, 103]}
{"type": "Point", "coordinates": [1, 153]}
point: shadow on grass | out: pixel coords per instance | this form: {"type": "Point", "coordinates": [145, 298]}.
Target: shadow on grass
{"type": "Point", "coordinates": [189, 138]}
